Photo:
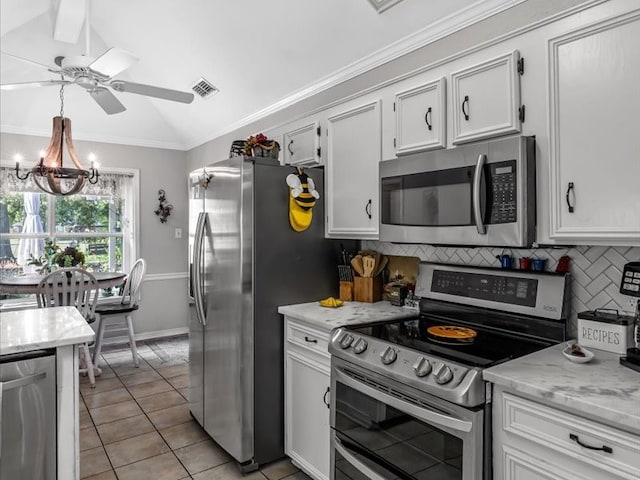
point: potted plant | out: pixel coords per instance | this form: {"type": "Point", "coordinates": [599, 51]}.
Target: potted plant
{"type": "Point", "coordinates": [261, 146]}
{"type": "Point", "coordinates": [69, 257]}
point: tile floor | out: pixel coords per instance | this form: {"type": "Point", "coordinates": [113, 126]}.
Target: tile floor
{"type": "Point", "coordinates": [135, 424]}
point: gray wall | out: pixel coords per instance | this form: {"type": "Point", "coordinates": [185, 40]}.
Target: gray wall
{"type": "Point", "coordinates": [164, 304]}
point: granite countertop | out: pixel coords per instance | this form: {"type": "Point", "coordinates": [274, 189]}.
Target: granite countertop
{"type": "Point", "coordinates": [38, 328]}
{"type": "Point", "coordinates": [350, 313]}
{"type": "Point", "coordinates": [601, 390]}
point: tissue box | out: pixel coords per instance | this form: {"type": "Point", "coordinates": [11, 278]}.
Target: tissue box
{"type": "Point", "coordinates": [605, 330]}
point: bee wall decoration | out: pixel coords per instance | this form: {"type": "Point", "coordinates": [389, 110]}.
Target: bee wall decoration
{"type": "Point", "coordinates": [302, 199]}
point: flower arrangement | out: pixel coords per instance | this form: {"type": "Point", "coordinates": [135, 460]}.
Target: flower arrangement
{"type": "Point", "coordinates": [46, 260]}
{"type": "Point", "coordinates": [69, 257]}
{"type": "Point", "coordinates": [261, 146]}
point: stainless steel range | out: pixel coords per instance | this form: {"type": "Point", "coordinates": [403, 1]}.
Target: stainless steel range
{"type": "Point", "coordinates": [408, 399]}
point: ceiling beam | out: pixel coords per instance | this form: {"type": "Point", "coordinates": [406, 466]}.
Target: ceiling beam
{"type": "Point", "coordinates": [69, 20]}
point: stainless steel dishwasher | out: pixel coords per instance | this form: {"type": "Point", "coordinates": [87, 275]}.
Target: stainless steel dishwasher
{"type": "Point", "coordinates": [28, 420]}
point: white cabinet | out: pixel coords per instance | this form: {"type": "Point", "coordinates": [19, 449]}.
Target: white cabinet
{"type": "Point", "coordinates": [532, 441]}
{"type": "Point", "coordinates": [353, 153]}
{"type": "Point", "coordinates": [306, 406]}
{"type": "Point", "coordinates": [421, 118]}
{"type": "Point", "coordinates": [302, 145]}
{"type": "Point", "coordinates": [594, 81]}
{"type": "Point", "coordinates": [485, 99]}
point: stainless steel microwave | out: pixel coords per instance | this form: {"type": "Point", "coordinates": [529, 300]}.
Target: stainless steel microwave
{"type": "Point", "coordinates": [480, 194]}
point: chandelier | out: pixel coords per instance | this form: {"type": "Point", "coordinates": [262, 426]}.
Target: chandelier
{"type": "Point", "coordinates": [49, 174]}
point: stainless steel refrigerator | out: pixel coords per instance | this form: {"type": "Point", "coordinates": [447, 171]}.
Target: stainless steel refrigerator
{"type": "Point", "coordinates": [245, 261]}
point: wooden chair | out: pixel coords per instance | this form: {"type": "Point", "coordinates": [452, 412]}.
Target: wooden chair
{"type": "Point", "coordinates": [72, 287]}
{"type": "Point", "coordinates": [129, 303]}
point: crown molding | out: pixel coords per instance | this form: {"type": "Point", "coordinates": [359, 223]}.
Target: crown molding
{"type": "Point", "coordinates": [445, 26]}
{"type": "Point", "coordinates": [79, 136]}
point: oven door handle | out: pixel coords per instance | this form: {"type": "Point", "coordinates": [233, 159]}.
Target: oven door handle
{"type": "Point", "coordinates": [477, 181]}
{"type": "Point", "coordinates": [421, 413]}
{"type": "Point", "coordinates": [355, 462]}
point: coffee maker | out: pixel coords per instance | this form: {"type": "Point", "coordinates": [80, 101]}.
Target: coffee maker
{"type": "Point", "coordinates": [630, 285]}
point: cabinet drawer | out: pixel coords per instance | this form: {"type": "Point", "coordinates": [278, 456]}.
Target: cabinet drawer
{"type": "Point", "coordinates": [561, 432]}
{"type": "Point", "coordinates": [308, 338]}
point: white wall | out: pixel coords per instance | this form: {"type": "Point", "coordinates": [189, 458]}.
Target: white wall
{"type": "Point", "coordinates": [164, 293]}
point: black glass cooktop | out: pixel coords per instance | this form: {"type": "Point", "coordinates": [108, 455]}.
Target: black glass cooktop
{"type": "Point", "coordinates": [498, 338]}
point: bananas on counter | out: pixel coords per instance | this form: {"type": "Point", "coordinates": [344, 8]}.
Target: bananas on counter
{"type": "Point", "coordinates": [331, 302]}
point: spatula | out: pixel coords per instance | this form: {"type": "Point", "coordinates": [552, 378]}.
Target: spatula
{"type": "Point", "coordinates": [356, 263]}
{"type": "Point", "coordinates": [368, 263]}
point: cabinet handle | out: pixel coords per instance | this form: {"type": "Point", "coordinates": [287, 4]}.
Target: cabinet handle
{"type": "Point", "coordinates": [464, 112]}
{"type": "Point", "coordinates": [310, 340]}
{"type": "Point", "coordinates": [427, 118]}
{"type": "Point", "coordinates": [289, 148]}
{"type": "Point", "coordinates": [567, 196]}
{"type": "Point", "coordinates": [367, 209]}
{"type": "Point", "coordinates": [324, 398]}
{"type": "Point", "coordinates": [604, 448]}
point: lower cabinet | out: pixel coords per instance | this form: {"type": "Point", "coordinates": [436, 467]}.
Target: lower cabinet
{"type": "Point", "coordinates": [306, 406]}
{"type": "Point", "coordinates": [532, 441]}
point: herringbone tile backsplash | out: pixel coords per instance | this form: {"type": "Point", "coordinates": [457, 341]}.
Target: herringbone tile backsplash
{"type": "Point", "coordinates": [596, 270]}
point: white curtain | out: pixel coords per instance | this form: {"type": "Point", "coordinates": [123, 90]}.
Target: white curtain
{"type": "Point", "coordinates": [32, 224]}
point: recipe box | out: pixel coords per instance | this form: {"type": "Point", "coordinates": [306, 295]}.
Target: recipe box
{"type": "Point", "coordinates": [605, 330]}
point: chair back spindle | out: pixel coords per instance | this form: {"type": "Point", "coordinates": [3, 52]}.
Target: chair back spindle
{"type": "Point", "coordinates": [69, 287]}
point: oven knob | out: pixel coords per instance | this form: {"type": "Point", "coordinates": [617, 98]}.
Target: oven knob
{"type": "Point", "coordinates": [443, 374]}
{"type": "Point", "coordinates": [422, 367]}
{"type": "Point", "coordinates": [360, 345]}
{"type": "Point", "coordinates": [388, 356]}
{"type": "Point", "coordinates": [345, 341]}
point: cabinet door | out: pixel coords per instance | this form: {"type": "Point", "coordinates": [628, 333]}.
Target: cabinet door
{"type": "Point", "coordinates": [486, 99]}
{"type": "Point", "coordinates": [420, 118]}
{"type": "Point", "coordinates": [354, 152]}
{"type": "Point", "coordinates": [302, 145]}
{"type": "Point", "coordinates": [594, 142]}
{"type": "Point", "coordinates": [306, 413]}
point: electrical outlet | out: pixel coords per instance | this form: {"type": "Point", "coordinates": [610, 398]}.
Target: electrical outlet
{"type": "Point", "coordinates": [631, 302]}
{"type": "Point", "coordinates": [178, 233]}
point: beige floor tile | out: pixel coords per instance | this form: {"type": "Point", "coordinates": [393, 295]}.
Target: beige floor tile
{"type": "Point", "coordinates": [135, 449]}
{"type": "Point", "coordinates": [278, 470]}
{"type": "Point", "coordinates": [103, 399]}
{"type": "Point", "coordinates": [184, 434]}
{"type": "Point", "coordinates": [105, 372]}
{"type": "Point", "coordinates": [93, 461]}
{"type": "Point", "coordinates": [121, 429]}
{"type": "Point", "coordinates": [170, 416]}
{"type": "Point", "coordinates": [89, 439]}
{"type": "Point", "coordinates": [201, 456]}
{"type": "Point", "coordinates": [131, 369]}
{"type": "Point", "coordinates": [181, 381]}
{"type": "Point", "coordinates": [108, 475]}
{"type": "Point", "coordinates": [150, 388]}
{"type": "Point", "coordinates": [102, 385]}
{"type": "Point", "coordinates": [85, 420]}
{"type": "Point", "coordinates": [141, 377]}
{"type": "Point", "coordinates": [173, 371]}
{"type": "Point", "coordinates": [227, 471]}
{"type": "Point", "coordinates": [114, 412]}
{"type": "Point", "coordinates": [161, 401]}
{"type": "Point", "coordinates": [162, 467]}
{"type": "Point", "coordinates": [184, 392]}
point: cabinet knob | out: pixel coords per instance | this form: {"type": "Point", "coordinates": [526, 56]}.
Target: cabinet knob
{"type": "Point", "coordinates": [427, 118]}
{"type": "Point", "coordinates": [568, 197]}
{"type": "Point", "coordinates": [464, 112]}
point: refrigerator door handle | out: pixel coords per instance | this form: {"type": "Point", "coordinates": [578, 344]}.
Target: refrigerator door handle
{"type": "Point", "coordinates": [197, 269]}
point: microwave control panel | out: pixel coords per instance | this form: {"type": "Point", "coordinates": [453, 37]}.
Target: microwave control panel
{"type": "Point", "coordinates": [503, 192]}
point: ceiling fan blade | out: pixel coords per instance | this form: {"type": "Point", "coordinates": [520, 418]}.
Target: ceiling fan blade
{"type": "Point", "coordinates": [43, 83]}
{"type": "Point", "coordinates": [113, 61]}
{"type": "Point", "coordinates": [107, 100]}
{"type": "Point", "coordinates": [151, 91]}
{"type": "Point", "coordinates": [37, 64]}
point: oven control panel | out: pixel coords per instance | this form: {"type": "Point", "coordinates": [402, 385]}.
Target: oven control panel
{"type": "Point", "coordinates": [443, 378]}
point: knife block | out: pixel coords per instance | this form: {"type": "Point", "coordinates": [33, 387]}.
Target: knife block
{"type": "Point", "coordinates": [367, 289]}
{"type": "Point", "coordinates": [346, 291]}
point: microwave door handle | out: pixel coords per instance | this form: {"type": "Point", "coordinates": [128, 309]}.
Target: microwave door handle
{"type": "Point", "coordinates": [424, 414]}
{"type": "Point", "coordinates": [355, 462]}
{"type": "Point", "coordinates": [477, 183]}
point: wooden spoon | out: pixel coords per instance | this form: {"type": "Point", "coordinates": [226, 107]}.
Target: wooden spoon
{"type": "Point", "coordinates": [356, 263]}
{"type": "Point", "coordinates": [369, 264]}
{"type": "Point", "coordinates": [383, 263]}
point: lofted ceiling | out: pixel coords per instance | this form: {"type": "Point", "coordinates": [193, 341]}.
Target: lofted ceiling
{"type": "Point", "coordinates": [260, 55]}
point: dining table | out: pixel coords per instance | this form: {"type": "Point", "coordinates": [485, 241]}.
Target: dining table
{"type": "Point", "coordinates": [28, 283]}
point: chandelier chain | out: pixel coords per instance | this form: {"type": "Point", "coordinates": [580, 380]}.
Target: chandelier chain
{"type": "Point", "coordinates": [62, 98]}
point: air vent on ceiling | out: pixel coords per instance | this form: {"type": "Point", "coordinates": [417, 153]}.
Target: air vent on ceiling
{"type": "Point", "coordinates": [204, 88]}
{"type": "Point", "coordinates": [382, 5]}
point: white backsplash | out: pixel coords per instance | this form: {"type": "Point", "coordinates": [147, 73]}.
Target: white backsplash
{"type": "Point", "coordinates": [596, 270]}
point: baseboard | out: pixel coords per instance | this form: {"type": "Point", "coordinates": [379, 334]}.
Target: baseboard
{"type": "Point", "coordinates": [171, 332]}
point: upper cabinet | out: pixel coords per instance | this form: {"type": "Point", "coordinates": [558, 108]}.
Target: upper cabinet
{"type": "Point", "coordinates": [420, 118]}
{"type": "Point", "coordinates": [353, 154]}
{"type": "Point", "coordinates": [302, 145]}
{"type": "Point", "coordinates": [485, 99]}
{"type": "Point", "coordinates": [594, 81]}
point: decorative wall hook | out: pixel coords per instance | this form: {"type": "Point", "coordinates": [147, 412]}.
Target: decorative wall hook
{"type": "Point", "coordinates": [164, 209]}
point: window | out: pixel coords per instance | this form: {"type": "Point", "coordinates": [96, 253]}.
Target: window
{"type": "Point", "coordinates": [100, 221]}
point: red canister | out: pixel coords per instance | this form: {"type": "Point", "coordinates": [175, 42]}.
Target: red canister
{"type": "Point", "coordinates": [525, 263]}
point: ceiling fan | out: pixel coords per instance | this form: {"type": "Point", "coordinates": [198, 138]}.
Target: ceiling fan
{"type": "Point", "coordinates": [96, 76]}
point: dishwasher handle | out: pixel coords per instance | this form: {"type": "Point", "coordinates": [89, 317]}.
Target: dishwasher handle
{"type": "Point", "coordinates": [23, 381]}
